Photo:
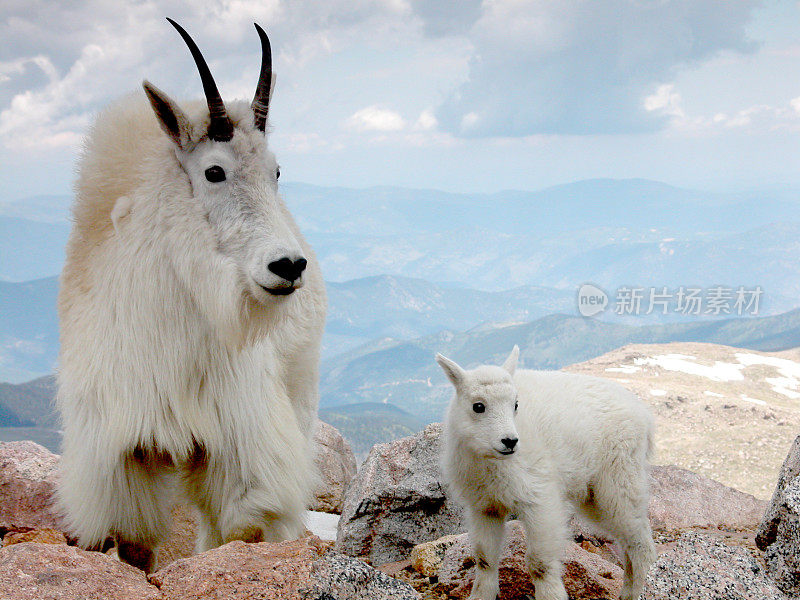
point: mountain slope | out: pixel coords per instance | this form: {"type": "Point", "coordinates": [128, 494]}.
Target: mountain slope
{"type": "Point", "coordinates": [728, 413]}
{"type": "Point", "coordinates": [31, 402]}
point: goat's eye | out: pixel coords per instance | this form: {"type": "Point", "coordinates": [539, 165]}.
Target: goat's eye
{"type": "Point", "coordinates": [278, 173]}
{"type": "Point", "coordinates": [516, 406]}
{"type": "Point", "coordinates": [215, 174]}
{"type": "Point", "coordinates": [478, 407]}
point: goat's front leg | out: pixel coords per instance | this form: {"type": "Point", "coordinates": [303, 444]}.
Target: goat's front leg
{"type": "Point", "coordinates": [487, 534]}
{"type": "Point", "coordinates": [546, 536]}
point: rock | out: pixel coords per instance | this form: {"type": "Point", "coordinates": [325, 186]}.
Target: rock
{"type": "Point", "coordinates": [778, 534]}
{"type": "Point", "coordinates": [345, 578]}
{"type": "Point", "coordinates": [182, 536]}
{"type": "Point", "coordinates": [426, 558]}
{"type": "Point", "coordinates": [681, 499]}
{"type": "Point", "coordinates": [586, 574]}
{"type": "Point", "coordinates": [303, 569]}
{"type": "Point", "coordinates": [27, 484]}
{"type": "Point", "coordinates": [40, 536]}
{"type": "Point", "coordinates": [701, 568]}
{"type": "Point", "coordinates": [397, 501]}
{"type": "Point", "coordinates": [337, 466]}
{"type": "Point", "coordinates": [49, 572]}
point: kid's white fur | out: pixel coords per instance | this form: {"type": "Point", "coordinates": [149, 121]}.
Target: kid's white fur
{"type": "Point", "coordinates": [584, 444]}
{"type": "Point", "coordinates": [178, 373]}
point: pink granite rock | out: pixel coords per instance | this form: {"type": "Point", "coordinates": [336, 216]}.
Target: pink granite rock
{"type": "Point", "coordinates": [779, 532]}
{"type": "Point", "coordinates": [336, 464]}
{"type": "Point", "coordinates": [586, 574]}
{"type": "Point", "coordinates": [397, 500]}
{"type": "Point", "coordinates": [32, 571]}
{"type": "Point", "coordinates": [681, 499]}
{"type": "Point", "coordinates": [296, 570]}
{"type": "Point", "coordinates": [702, 568]}
{"type": "Point", "coordinates": [27, 484]}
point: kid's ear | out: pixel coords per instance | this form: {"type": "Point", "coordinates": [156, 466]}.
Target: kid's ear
{"type": "Point", "coordinates": [511, 362]}
{"type": "Point", "coordinates": [454, 373]}
{"type": "Point", "coordinates": [170, 117]}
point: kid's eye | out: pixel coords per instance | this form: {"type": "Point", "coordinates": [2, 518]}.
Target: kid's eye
{"type": "Point", "coordinates": [215, 174]}
{"type": "Point", "coordinates": [478, 407]}
{"type": "Point", "coordinates": [516, 406]}
{"type": "Point", "coordinates": [278, 173]}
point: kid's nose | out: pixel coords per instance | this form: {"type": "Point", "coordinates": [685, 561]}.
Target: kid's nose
{"type": "Point", "coordinates": [510, 442]}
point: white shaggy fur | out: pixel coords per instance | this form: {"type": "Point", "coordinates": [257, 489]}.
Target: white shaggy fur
{"type": "Point", "coordinates": [583, 443]}
{"type": "Point", "coordinates": [179, 372]}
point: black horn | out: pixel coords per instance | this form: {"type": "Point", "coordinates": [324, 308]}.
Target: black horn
{"type": "Point", "coordinates": [220, 128]}
{"type": "Point", "coordinates": [261, 100]}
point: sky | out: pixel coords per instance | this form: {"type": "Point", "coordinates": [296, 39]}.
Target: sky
{"type": "Point", "coordinates": [462, 96]}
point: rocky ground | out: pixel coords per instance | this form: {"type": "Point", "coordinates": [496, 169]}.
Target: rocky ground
{"type": "Point", "coordinates": [401, 537]}
{"type": "Point", "coordinates": [705, 533]}
{"type": "Point", "coordinates": [726, 413]}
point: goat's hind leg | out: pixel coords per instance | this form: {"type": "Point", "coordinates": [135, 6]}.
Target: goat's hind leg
{"type": "Point", "coordinates": [621, 509]}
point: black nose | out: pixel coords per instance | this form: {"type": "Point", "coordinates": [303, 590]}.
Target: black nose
{"type": "Point", "coordinates": [510, 442]}
{"type": "Point", "coordinates": [287, 269]}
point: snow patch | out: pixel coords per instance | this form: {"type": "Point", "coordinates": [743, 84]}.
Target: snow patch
{"type": "Point", "coordinates": [719, 371]}
{"type": "Point", "coordinates": [624, 369]}
{"type": "Point", "coordinates": [788, 382]}
{"type": "Point", "coordinates": [658, 392]}
{"type": "Point", "coordinates": [753, 400]}
{"type": "Point", "coordinates": [714, 394]}
{"type": "Point", "coordinates": [323, 525]}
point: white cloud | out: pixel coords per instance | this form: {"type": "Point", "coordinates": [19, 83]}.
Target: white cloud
{"type": "Point", "coordinates": [375, 118]}
{"type": "Point", "coordinates": [583, 67]}
{"type": "Point", "coordinates": [426, 121]}
{"type": "Point", "coordinates": [666, 101]}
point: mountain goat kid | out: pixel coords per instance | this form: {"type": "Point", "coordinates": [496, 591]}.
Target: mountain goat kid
{"type": "Point", "coordinates": [191, 313]}
{"type": "Point", "coordinates": [530, 443]}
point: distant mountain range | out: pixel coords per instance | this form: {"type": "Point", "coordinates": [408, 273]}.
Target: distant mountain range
{"type": "Point", "coordinates": [28, 404]}
{"type": "Point", "coordinates": [404, 373]}
{"type": "Point", "coordinates": [367, 423]}
{"type": "Point", "coordinates": [359, 312]}
{"type": "Point", "coordinates": [611, 232]}
{"type": "Point", "coordinates": [413, 272]}
{"type": "Point", "coordinates": [28, 329]}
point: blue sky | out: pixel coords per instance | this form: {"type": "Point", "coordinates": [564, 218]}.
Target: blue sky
{"type": "Point", "coordinates": [462, 96]}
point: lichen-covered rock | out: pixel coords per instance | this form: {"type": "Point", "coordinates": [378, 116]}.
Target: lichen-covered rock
{"type": "Point", "coordinates": [40, 536]}
{"type": "Point", "coordinates": [336, 464]}
{"type": "Point", "coordinates": [58, 572]}
{"type": "Point", "coordinates": [701, 568]}
{"type": "Point", "coordinates": [586, 574]}
{"type": "Point", "coordinates": [345, 578]}
{"type": "Point", "coordinates": [680, 499]}
{"type": "Point", "coordinates": [302, 569]}
{"type": "Point", "coordinates": [779, 532]}
{"type": "Point", "coordinates": [427, 558]}
{"type": "Point", "coordinates": [397, 500]}
{"type": "Point", "coordinates": [27, 483]}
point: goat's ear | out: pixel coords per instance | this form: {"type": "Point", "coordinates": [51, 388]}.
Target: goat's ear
{"type": "Point", "coordinates": [511, 362]}
{"type": "Point", "coordinates": [170, 116]}
{"type": "Point", "coordinates": [454, 373]}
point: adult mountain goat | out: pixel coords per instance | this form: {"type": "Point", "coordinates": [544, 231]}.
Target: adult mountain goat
{"type": "Point", "coordinates": [191, 314]}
